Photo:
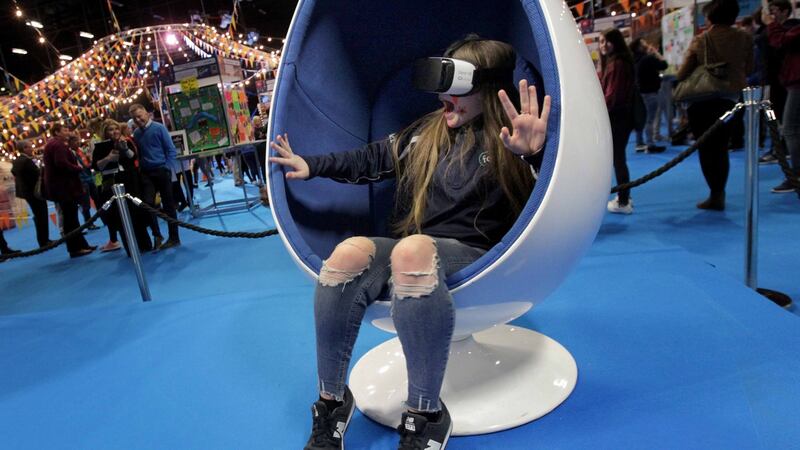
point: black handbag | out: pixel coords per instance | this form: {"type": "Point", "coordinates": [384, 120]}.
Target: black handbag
{"type": "Point", "coordinates": [708, 81]}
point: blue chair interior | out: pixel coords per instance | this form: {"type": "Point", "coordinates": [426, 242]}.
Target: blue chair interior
{"type": "Point", "coordinates": [346, 81]}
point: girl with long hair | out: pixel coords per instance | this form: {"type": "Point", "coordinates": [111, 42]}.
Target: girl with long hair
{"type": "Point", "coordinates": [464, 173]}
{"type": "Point", "coordinates": [617, 79]}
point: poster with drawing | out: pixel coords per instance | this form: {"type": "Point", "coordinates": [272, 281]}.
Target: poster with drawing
{"type": "Point", "coordinates": [202, 116]}
{"type": "Point", "coordinates": [677, 29]}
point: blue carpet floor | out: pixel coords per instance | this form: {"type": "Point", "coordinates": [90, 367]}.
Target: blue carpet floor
{"type": "Point", "coordinates": [673, 350]}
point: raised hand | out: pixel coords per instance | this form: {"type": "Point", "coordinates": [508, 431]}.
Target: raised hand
{"type": "Point", "coordinates": [287, 158]}
{"type": "Point", "coordinates": [529, 129]}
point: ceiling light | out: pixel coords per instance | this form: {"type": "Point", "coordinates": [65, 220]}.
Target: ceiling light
{"type": "Point", "coordinates": [19, 51]}
{"type": "Point", "coordinates": [86, 35]}
{"type": "Point", "coordinates": [65, 57]}
{"type": "Point", "coordinates": [35, 24]}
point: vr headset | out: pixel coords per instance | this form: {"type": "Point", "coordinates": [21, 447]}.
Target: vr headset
{"type": "Point", "coordinates": [455, 77]}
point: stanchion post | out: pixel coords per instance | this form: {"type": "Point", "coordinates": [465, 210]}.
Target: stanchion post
{"type": "Point", "coordinates": [130, 237]}
{"type": "Point", "coordinates": [752, 103]}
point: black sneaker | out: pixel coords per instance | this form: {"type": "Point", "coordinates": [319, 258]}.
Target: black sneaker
{"type": "Point", "coordinates": [327, 428]}
{"type": "Point", "coordinates": [417, 433]}
{"type": "Point", "coordinates": [783, 188]}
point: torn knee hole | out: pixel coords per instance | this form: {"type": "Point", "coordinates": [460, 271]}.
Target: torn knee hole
{"type": "Point", "coordinates": [414, 284]}
{"type": "Point", "coordinates": [330, 276]}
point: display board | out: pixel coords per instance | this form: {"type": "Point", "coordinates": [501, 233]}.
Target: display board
{"type": "Point", "coordinates": [241, 128]}
{"type": "Point", "coordinates": [677, 30]}
{"type": "Point", "coordinates": [202, 115]}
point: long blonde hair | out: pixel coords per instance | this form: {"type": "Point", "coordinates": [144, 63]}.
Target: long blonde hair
{"type": "Point", "coordinates": [417, 169]}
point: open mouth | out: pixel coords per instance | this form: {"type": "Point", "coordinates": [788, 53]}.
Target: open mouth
{"type": "Point", "coordinates": [448, 106]}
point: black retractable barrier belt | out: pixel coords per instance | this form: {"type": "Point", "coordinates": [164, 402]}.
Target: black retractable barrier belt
{"type": "Point", "coordinates": [230, 234]}
{"type": "Point", "coordinates": [64, 238]}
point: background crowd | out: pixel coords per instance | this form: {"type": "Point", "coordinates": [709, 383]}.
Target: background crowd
{"type": "Point", "coordinates": [77, 170]}
{"type": "Point", "coordinates": [761, 50]}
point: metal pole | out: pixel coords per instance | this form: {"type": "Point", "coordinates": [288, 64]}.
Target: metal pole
{"type": "Point", "coordinates": [752, 103]}
{"type": "Point", "coordinates": [133, 247]}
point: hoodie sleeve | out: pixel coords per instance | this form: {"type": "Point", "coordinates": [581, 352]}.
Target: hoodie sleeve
{"type": "Point", "coordinates": [373, 162]}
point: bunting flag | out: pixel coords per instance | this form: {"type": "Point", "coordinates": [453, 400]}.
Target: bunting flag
{"type": "Point", "coordinates": [53, 219]}
{"type": "Point", "coordinates": [579, 8]}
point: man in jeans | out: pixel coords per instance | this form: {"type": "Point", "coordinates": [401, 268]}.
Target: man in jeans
{"type": "Point", "coordinates": [156, 161]}
{"type": "Point", "coordinates": [784, 34]}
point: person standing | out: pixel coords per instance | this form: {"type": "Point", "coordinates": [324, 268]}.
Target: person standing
{"type": "Point", "coordinates": [784, 35]}
{"type": "Point", "coordinates": [87, 178]}
{"type": "Point", "coordinates": [157, 161]}
{"type": "Point", "coordinates": [616, 78]}
{"type": "Point", "coordinates": [720, 43]}
{"type": "Point", "coordinates": [26, 175]}
{"type": "Point", "coordinates": [63, 184]}
{"type": "Point", "coordinates": [649, 65]}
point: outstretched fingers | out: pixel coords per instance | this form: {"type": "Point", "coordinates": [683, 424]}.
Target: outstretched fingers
{"type": "Point", "coordinates": [545, 109]}
{"type": "Point", "coordinates": [524, 98]}
{"type": "Point", "coordinates": [508, 107]}
{"type": "Point", "coordinates": [534, 101]}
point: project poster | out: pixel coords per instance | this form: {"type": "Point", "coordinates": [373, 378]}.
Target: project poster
{"type": "Point", "coordinates": [202, 115]}
{"type": "Point", "coordinates": [238, 114]}
{"type": "Point", "coordinates": [677, 29]}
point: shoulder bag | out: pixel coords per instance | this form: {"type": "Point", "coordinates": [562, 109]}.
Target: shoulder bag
{"type": "Point", "coordinates": [708, 81]}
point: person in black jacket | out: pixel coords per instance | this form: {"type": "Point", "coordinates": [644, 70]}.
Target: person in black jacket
{"type": "Point", "coordinates": [649, 64]}
{"type": "Point", "coordinates": [463, 175]}
{"type": "Point", "coordinates": [26, 175]}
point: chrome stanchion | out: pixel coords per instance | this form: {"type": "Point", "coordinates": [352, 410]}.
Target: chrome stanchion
{"type": "Point", "coordinates": [752, 104]}
{"type": "Point", "coordinates": [751, 130]}
{"type": "Point", "coordinates": [133, 246]}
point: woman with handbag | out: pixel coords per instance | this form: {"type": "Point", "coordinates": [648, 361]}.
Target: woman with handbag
{"type": "Point", "coordinates": [616, 78]}
{"type": "Point", "coordinates": [713, 73]}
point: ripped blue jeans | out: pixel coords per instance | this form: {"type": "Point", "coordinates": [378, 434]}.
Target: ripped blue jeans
{"type": "Point", "coordinates": [423, 315]}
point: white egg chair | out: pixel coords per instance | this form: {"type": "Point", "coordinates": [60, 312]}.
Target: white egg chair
{"type": "Point", "coordinates": [344, 80]}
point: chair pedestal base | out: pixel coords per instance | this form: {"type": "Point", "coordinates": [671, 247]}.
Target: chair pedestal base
{"type": "Point", "coordinates": [496, 379]}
